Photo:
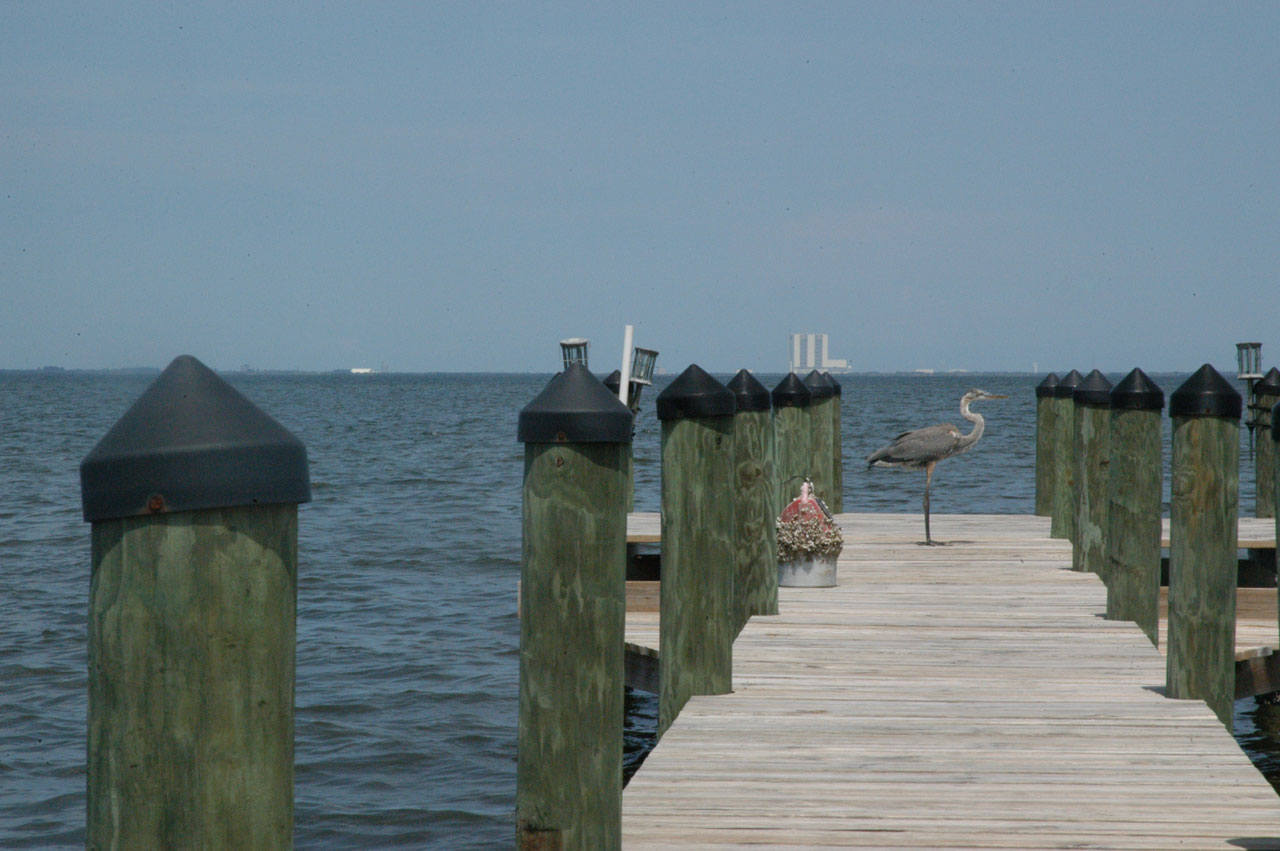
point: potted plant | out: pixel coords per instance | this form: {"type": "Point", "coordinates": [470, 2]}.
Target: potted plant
{"type": "Point", "coordinates": [808, 542]}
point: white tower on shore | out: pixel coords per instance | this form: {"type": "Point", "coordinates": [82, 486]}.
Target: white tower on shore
{"type": "Point", "coordinates": [809, 351]}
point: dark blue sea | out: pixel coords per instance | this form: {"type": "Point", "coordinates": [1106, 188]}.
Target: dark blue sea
{"type": "Point", "coordinates": [409, 558]}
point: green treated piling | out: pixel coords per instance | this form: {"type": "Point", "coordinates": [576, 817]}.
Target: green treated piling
{"type": "Point", "coordinates": [1092, 401]}
{"type": "Point", "coordinates": [613, 383]}
{"type": "Point", "coordinates": [1266, 395]}
{"type": "Point", "coordinates": [754, 491]}
{"type": "Point", "coordinates": [696, 630]}
{"type": "Point", "coordinates": [822, 396]}
{"type": "Point", "coordinates": [572, 616]}
{"type": "Point", "coordinates": [1062, 523]}
{"type": "Point", "coordinates": [1275, 468]}
{"type": "Point", "coordinates": [837, 449]}
{"type": "Point", "coordinates": [1046, 412]}
{"type": "Point", "coordinates": [793, 437]}
{"type": "Point", "coordinates": [1134, 493]}
{"type": "Point", "coordinates": [193, 497]}
{"type": "Point", "coordinates": [1202, 542]}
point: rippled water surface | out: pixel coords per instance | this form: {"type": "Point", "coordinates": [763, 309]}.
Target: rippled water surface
{"type": "Point", "coordinates": [409, 557]}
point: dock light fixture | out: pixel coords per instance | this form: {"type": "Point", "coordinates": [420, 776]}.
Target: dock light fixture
{"type": "Point", "coordinates": [642, 365]}
{"type": "Point", "coordinates": [1249, 361]}
{"type": "Point", "coordinates": [1249, 370]}
{"type": "Point", "coordinates": [641, 375]}
{"type": "Point", "coordinates": [574, 350]}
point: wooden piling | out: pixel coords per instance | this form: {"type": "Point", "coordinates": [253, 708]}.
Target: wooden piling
{"type": "Point", "coordinates": [1266, 395]}
{"type": "Point", "coordinates": [1092, 401]}
{"type": "Point", "coordinates": [613, 382]}
{"type": "Point", "coordinates": [191, 630]}
{"type": "Point", "coordinates": [1134, 493]}
{"type": "Point", "coordinates": [822, 437]}
{"type": "Point", "coordinates": [837, 448]}
{"type": "Point", "coordinates": [1046, 412]}
{"type": "Point", "coordinates": [1275, 468]}
{"type": "Point", "coordinates": [754, 493]}
{"type": "Point", "coordinates": [696, 630]}
{"type": "Point", "coordinates": [793, 438]}
{"type": "Point", "coordinates": [1202, 541]}
{"type": "Point", "coordinates": [1062, 524]}
{"type": "Point", "coordinates": [572, 616]}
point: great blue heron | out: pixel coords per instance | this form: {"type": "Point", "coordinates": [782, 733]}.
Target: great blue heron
{"type": "Point", "coordinates": [923, 448]}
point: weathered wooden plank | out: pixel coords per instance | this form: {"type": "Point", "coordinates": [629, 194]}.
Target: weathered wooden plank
{"type": "Point", "coordinates": [970, 697]}
{"type": "Point", "coordinates": [1252, 533]}
{"type": "Point", "coordinates": [994, 530]}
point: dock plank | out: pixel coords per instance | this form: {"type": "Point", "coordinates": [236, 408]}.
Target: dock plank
{"type": "Point", "coordinates": [968, 696]}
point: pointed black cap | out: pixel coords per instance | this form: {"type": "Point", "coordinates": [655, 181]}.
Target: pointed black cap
{"type": "Point", "coordinates": [192, 441]}
{"type": "Point", "coordinates": [1137, 392]}
{"type": "Point", "coordinates": [1206, 394]}
{"type": "Point", "coordinates": [748, 393]}
{"type": "Point", "coordinates": [835, 385]}
{"type": "Point", "coordinates": [1094, 391]}
{"type": "Point", "coordinates": [575, 407]}
{"type": "Point", "coordinates": [613, 381]}
{"type": "Point", "coordinates": [819, 385]}
{"type": "Point", "coordinates": [1066, 386]}
{"type": "Point", "coordinates": [791, 392]}
{"type": "Point", "coordinates": [1275, 423]}
{"type": "Point", "coordinates": [1269, 385]}
{"type": "Point", "coordinates": [695, 394]}
{"type": "Point", "coordinates": [1045, 388]}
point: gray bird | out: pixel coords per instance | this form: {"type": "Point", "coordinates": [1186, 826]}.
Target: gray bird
{"type": "Point", "coordinates": [923, 448]}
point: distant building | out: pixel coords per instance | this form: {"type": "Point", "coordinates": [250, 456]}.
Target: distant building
{"type": "Point", "coordinates": [809, 351]}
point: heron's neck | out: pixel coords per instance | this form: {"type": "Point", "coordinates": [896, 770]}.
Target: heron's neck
{"type": "Point", "coordinates": [978, 424]}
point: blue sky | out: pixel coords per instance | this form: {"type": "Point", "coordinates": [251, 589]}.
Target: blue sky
{"type": "Point", "coordinates": [457, 186]}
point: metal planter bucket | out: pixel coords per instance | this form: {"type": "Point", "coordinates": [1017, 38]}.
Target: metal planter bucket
{"type": "Point", "coordinates": [814, 571]}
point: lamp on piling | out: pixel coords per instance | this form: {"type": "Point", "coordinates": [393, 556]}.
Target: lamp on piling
{"type": "Point", "coordinates": [643, 362]}
{"type": "Point", "coordinates": [1249, 370]}
{"type": "Point", "coordinates": [574, 350]}
{"type": "Point", "coordinates": [1249, 360]}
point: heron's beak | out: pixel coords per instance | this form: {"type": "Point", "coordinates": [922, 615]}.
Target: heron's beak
{"type": "Point", "coordinates": [997, 396]}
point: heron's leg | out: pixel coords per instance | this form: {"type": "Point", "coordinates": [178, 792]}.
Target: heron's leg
{"type": "Point", "coordinates": [928, 479]}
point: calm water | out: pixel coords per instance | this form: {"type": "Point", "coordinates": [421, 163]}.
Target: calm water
{"type": "Point", "coordinates": [407, 634]}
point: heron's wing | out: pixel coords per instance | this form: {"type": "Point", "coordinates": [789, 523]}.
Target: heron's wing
{"type": "Point", "coordinates": [917, 448]}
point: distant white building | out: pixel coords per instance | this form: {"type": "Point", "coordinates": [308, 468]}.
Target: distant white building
{"type": "Point", "coordinates": [809, 351]}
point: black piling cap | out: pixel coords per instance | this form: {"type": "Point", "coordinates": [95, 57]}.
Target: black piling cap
{"type": "Point", "coordinates": [1206, 394]}
{"type": "Point", "coordinates": [575, 407]}
{"type": "Point", "coordinates": [791, 392]}
{"type": "Point", "coordinates": [1137, 392]}
{"type": "Point", "coordinates": [1275, 423]}
{"type": "Point", "coordinates": [1045, 388]}
{"type": "Point", "coordinates": [748, 392]}
{"type": "Point", "coordinates": [1066, 386]}
{"type": "Point", "coordinates": [835, 385]}
{"type": "Point", "coordinates": [819, 385]}
{"type": "Point", "coordinates": [192, 441]}
{"type": "Point", "coordinates": [695, 395]}
{"type": "Point", "coordinates": [613, 381]}
{"type": "Point", "coordinates": [1269, 385]}
{"type": "Point", "coordinates": [1093, 392]}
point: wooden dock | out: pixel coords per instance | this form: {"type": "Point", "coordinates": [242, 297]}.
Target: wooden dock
{"type": "Point", "coordinates": [967, 696]}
